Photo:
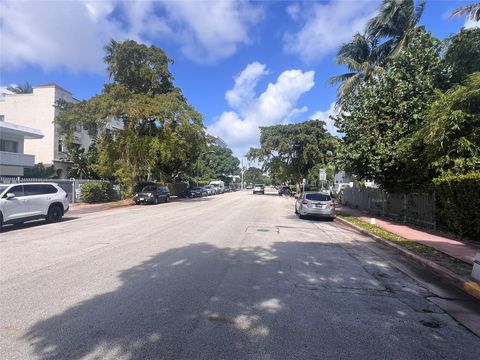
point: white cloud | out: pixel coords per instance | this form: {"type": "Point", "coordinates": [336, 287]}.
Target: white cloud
{"type": "Point", "coordinates": [325, 116]}
{"type": "Point", "coordinates": [243, 91]}
{"type": "Point", "coordinates": [72, 34]}
{"type": "Point", "coordinates": [326, 26]}
{"type": "Point", "coordinates": [211, 30]}
{"type": "Point", "coordinates": [276, 105]}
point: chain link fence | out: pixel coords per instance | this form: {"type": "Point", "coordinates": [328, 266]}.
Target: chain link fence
{"type": "Point", "coordinates": [416, 208]}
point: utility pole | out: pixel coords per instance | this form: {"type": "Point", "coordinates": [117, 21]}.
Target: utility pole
{"type": "Point", "coordinates": [241, 172]}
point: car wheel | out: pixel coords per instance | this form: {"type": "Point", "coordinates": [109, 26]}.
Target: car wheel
{"type": "Point", "coordinates": [167, 199]}
{"type": "Point", "coordinates": [55, 213]}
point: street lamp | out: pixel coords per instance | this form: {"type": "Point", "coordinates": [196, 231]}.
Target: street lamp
{"type": "Point", "coordinates": [198, 160]}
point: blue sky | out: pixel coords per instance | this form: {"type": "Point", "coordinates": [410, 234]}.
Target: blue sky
{"type": "Point", "coordinates": [241, 64]}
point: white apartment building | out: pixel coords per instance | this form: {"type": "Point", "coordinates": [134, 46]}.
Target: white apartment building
{"type": "Point", "coordinates": [37, 110]}
{"type": "Point", "coordinates": [13, 160]}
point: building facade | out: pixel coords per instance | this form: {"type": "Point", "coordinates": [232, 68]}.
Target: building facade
{"type": "Point", "coordinates": [13, 159]}
{"type": "Point", "coordinates": [37, 110]}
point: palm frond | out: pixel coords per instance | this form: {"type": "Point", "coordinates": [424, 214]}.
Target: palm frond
{"type": "Point", "coordinates": [472, 11]}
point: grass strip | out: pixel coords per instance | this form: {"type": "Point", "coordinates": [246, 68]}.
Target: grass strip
{"type": "Point", "coordinates": [457, 266]}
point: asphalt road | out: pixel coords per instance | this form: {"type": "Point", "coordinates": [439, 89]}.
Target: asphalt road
{"type": "Point", "coordinates": [236, 276]}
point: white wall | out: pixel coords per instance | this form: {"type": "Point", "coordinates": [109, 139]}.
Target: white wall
{"type": "Point", "coordinates": [37, 111]}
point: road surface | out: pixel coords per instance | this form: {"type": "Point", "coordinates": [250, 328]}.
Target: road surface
{"type": "Point", "coordinates": [235, 276]}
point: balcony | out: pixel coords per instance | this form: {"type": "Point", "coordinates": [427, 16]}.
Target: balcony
{"type": "Point", "coordinates": [16, 159]}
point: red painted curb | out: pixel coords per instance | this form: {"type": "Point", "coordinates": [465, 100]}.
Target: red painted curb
{"type": "Point", "coordinates": [467, 285]}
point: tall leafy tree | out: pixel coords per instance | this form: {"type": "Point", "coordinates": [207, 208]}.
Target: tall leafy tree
{"type": "Point", "coordinates": [463, 54]}
{"type": "Point", "coordinates": [449, 141]}
{"type": "Point", "coordinates": [388, 108]}
{"type": "Point", "coordinates": [161, 134]}
{"type": "Point", "coordinates": [362, 59]}
{"type": "Point", "coordinates": [289, 152]}
{"type": "Point", "coordinates": [395, 24]}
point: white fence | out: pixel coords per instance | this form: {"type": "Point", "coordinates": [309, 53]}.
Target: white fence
{"type": "Point", "coordinates": [71, 186]}
{"type": "Point", "coordinates": [415, 208]}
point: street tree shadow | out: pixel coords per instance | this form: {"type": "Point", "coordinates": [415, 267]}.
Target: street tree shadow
{"type": "Point", "coordinates": [293, 300]}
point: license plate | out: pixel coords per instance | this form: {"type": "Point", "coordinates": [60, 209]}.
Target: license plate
{"type": "Point", "coordinates": [141, 199]}
{"type": "Point", "coordinates": [321, 206]}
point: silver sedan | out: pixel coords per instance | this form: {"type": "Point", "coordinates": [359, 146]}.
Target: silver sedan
{"type": "Point", "coordinates": [315, 204]}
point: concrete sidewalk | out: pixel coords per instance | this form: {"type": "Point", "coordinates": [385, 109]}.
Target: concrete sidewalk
{"type": "Point", "coordinates": [457, 249]}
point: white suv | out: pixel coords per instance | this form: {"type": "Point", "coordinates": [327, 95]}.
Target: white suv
{"type": "Point", "coordinates": [30, 201]}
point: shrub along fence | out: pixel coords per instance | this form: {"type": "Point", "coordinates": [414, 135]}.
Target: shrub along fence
{"type": "Point", "coordinates": [453, 205]}
{"type": "Point", "coordinates": [72, 187]}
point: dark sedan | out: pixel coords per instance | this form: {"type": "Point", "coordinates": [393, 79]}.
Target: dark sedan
{"type": "Point", "coordinates": [152, 194]}
{"type": "Point", "coordinates": [198, 192]}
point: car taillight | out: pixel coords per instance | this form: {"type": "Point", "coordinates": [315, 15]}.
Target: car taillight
{"type": "Point", "coordinates": [305, 202]}
{"type": "Point", "coordinates": [332, 204]}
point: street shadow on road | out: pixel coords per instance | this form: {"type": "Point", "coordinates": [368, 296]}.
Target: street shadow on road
{"type": "Point", "coordinates": [293, 300]}
{"type": "Point", "coordinates": [31, 224]}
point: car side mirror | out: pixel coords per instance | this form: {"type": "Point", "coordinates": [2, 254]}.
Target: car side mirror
{"type": "Point", "coordinates": [10, 196]}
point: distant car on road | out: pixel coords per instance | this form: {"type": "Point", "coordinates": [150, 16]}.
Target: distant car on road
{"type": "Point", "coordinates": [259, 189]}
{"type": "Point", "coordinates": [152, 194]}
{"type": "Point", "coordinates": [315, 204]}
{"type": "Point", "coordinates": [31, 201]}
{"type": "Point", "coordinates": [219, 186]}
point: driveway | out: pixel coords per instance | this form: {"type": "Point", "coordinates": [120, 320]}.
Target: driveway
{"type": "Point", "coordinates": [235, 276]}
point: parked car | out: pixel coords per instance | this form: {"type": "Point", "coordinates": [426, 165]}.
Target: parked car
{"type": "Point", "coordinates": [249, 187]}
{"type": "Point", "coordinates": [315, 204]}
{"type": "Point", "coordinates": [152, 194]}
{"type": "Point", "coordinates": [210, 189]}
{"type": "Point", "coordinates": [259, 189]}
{"type": "Point", "coordinates": [198, 192]}
{"type": "Point", "coordinates": [31, 201]}
{"type": "Point", "coordinates": [219, 186]}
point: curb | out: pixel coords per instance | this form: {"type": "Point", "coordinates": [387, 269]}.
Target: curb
{"type": "Point", "coordinates": [469, 286]}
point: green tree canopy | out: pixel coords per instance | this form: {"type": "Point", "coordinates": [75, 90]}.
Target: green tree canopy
{"type": "Point", "coordinates": [289, 152]}
{"type": "Point", "coordinates": [463, 54]}
{"type": "Point", "coordinates": [388, 108]}
{"type": "Point", "coordinates": [160, 136]}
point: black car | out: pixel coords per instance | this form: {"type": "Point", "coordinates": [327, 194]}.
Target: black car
{"type": "Point", "coordinates": [152, 194]}
{"type": "Point", "coordinates": [198, 192]}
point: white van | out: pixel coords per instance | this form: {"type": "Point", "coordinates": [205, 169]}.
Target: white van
{"type": "Point", "coordinates": [219, 185]}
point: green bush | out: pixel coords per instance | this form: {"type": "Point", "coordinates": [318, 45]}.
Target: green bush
{"type": "Point", "coordinates": [95, 192]}
{"type": "Point", "coordinates": [457, 204]}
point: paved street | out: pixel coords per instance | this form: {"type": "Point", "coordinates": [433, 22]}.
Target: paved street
{"type": "Point", "coordinates": [236, 276]}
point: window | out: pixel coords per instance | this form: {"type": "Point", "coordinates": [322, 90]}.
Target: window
{"type": "Point", "coordinates": [39, 189]}
{"type": "Point", "coordinates": [60, 146]}
{"type": "Point", "coordinates": [17, 190]}
{"type": "Point", "coordinates": [2, 117]}
{"type": "Point", "coordinates": [9, 146]}
{"type": "Point", "coordinates": [318, 197]}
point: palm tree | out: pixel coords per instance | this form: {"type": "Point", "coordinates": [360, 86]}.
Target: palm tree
{"type": "Point", "coordinates": [362, 58]}
{"type": "Point", "coordinates": [471, 11]}
{"type": "Point", "coordinates": [21, 89]}
{"type": "Point", "coordinates": [396, 24]}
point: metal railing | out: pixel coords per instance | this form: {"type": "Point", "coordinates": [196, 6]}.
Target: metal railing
{"type": "Point", "coordinates": [415, 208]}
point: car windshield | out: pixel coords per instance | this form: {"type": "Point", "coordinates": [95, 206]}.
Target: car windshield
{"type": "Point", "coordinates": [2, 188]}
{"type": "Point", "coordinates": [258, 185]}
{"type": "Point", "coordinates": [318, 197]}
{"type": "Point", "coordinates": [149, 188]}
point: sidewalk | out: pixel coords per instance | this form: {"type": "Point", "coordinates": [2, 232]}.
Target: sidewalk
{"type": "Point", "coordinates": [454, 248]}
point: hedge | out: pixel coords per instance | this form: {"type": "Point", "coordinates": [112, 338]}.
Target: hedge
{"type": "Point", "coordinates": [95, 192]}
{"type": "Point", "coordinates": [457, 204]}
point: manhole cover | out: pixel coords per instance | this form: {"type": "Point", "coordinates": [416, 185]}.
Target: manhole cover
{"type": "Point", "coordinates": [263, 230]}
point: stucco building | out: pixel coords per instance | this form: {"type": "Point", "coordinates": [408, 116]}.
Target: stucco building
{"type": "Point", "coordinates": [13, 159]}
{"type": "Point", "coordinates": [37, 110]}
